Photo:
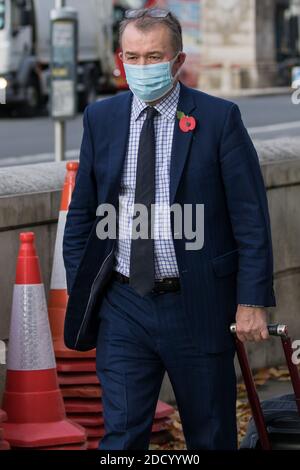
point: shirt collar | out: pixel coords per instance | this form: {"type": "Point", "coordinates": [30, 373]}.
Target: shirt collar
{"type": "Point", "coordinates": [167, 107]}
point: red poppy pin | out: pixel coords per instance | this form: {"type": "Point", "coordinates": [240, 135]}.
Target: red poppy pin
{"type": "Point", "coordinates": [186, 123]}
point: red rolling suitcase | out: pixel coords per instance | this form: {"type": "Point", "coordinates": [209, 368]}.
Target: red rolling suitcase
{"type": "Point", "coordinates": [275, 423]}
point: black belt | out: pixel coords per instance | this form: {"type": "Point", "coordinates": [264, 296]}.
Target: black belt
{"type": "Point", "coordinates": [165, 284]}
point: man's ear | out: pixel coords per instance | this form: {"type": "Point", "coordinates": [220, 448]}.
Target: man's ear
{"type": "Point", "coordinates": [179, 62]}
{"type": "Point", "coordinates": [182, 58]}
{"type": "Point", "coordinates": [121, 55]}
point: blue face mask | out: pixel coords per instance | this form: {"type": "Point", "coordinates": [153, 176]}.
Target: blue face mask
{"type": "Point", "coordinates": [151, 82]}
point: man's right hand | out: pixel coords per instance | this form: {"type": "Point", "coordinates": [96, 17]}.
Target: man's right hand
{"type": "Point", "coordinates": [251, 324]}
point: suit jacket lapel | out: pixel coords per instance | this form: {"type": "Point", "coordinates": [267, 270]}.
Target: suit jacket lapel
{"type": "Point", "coordinates": [120, 127]}
{"type": "Point", "coordinates": [181, 141]}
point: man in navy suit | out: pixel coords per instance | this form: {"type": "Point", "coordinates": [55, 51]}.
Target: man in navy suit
{"type": "Point", "coordinates": [154, 303]}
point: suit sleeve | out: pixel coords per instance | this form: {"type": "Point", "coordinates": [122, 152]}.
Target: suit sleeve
{"type": "Point", "coordinates": [82, 209]}
{"type": "Point", "coordinates": [248, 209]}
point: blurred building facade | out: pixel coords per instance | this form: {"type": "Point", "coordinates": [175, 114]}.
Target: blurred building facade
{"type": "Point", "coordinates": [231, 44]}
{"type": "Point", "coordinates": [236, 44]}
{"type": "Point", "coordinates": [249, 43]}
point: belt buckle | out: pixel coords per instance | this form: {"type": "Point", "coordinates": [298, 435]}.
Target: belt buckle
{"type": "Point", "coordinates": [155, 289]}
{"type": "Point", "coordinates": [163, 281]}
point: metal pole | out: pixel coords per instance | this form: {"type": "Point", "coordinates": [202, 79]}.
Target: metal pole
{"type": "Point", "coordinates": [253, 396]}
{"type": "Point", "coordinates": [295, 11]}
{"type": "Point", "coordinates": [60, 140]}
{"type": "Point", "coordinates": [60, 3]}
{"type": "Point", "coordinates": [59, 125]}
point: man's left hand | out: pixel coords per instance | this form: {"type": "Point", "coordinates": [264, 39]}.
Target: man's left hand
{"type": "Point", "coordinates": [251, 324]}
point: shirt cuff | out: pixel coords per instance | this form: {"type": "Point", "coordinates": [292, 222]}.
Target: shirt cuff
{"type": "Point", "coordinates": [254, 306]}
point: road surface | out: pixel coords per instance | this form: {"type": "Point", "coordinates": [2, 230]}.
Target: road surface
{"type": "Point", "coordinates": [31, 140]}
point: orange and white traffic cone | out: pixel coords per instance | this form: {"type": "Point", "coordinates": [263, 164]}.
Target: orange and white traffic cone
{"type": "Point", "coordinates": [67, 447]}
{"type": "Point", "coordinates": [83, 379]}
{"type": "Point", "coordinates": [71, 365]}
{"type": "Point", "coordinates": [88, 420]}
{"type": "Point", "coordinates": [32, 398]}
{"type": "Point", "coordinates": [83, 391]}
{"type": "Point", "coordinates": [82, 406]}
{"type": "Point", "coordinates": [58, 296]}
{"type": "Point", "coordinates": [163, 410]}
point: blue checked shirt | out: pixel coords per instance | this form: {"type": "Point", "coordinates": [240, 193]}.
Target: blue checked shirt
{"type": "Point", "coordinates": [165, 262]}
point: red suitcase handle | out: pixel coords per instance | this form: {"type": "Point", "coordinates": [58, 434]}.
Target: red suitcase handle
{"type": "Point", "coordinates": [274, 330]}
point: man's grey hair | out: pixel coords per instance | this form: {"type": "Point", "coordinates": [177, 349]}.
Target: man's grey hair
{"type": "Point", "coordinates": [145, 22]}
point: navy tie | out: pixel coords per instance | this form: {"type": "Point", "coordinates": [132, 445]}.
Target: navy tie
{"type": "Point", "coordinates": [141, 276]}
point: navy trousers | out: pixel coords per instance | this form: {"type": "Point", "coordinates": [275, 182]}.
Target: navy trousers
{"type": "Point", "coordinates": [141, 338]}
